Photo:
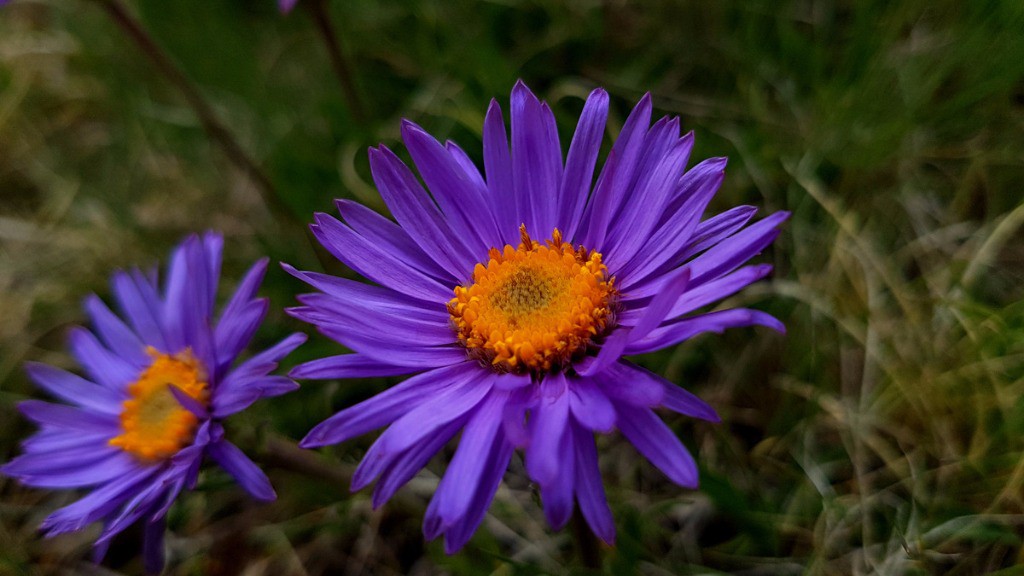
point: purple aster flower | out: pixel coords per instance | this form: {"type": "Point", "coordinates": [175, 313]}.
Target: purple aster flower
{"type": "Point", "coordinates": [160, 379]}
{"type": "Point", "coordinates": [518, 342]}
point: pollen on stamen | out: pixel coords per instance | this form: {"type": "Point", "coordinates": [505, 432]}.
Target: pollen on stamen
{"type": "Point", "coordinates": [154, 424]}
{"type": "Point", "coordinates": [534, 308]}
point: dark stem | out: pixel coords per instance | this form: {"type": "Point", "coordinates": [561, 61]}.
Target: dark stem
{"type": "Point", "coordinates": [318, 11]}
{"type": "Point", "coordinates": [587, 545]}
{"type": "Point", "coordinates": [207, 117]}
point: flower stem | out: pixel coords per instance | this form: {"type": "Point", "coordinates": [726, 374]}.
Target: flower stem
{"type": "Point", "coordinates": [587, 545]}
{"type": "Point", "coordinates": [214, 128]}
{"type": "Point", "coordinates": [318, 11]}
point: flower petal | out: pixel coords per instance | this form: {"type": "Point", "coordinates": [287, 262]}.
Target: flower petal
{"type": "Point", "coordinates": [243, 470]}
{"type": "Point", "coordinates": [387, 406]}
{"type": "Point", "coordinates": [579, 165]}
{"type": "Point", "coordinates": [589, 488]}
{"type": "Point", "coordinates": [498, 166]}
{"type": "Point", "coordinates": [659, 444]}
{"type": "Point", "coordinates": [74, 389]}
{"type": "Point", "coordinates": [536, 161]}
{"type": "Point", "coordinates": [678, 331]}
{"type": "Point", "coordinates": [417, 214]}
{"type": "Point", "coordinates": [547, 429]}
{"type": "Point", "coordinates": [350, 366]}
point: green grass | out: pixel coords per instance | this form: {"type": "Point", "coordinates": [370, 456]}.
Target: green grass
{"type": "Point", "coordinates": [882, 434]}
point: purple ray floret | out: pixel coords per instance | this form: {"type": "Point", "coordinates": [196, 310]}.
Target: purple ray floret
{"type": "Point", "coordinates": [519, 343]}
{"type": "Point", "coordinates": [160, 376]}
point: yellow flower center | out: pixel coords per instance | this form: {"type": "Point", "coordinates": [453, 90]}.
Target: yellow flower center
{"type": "Point", "coordinates": [535, 307]}
{"type": "Point", "coordinates": [155, 425]}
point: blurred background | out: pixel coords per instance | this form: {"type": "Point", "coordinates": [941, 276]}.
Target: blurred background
{"type": "Point", "coordinates": [883, 434]}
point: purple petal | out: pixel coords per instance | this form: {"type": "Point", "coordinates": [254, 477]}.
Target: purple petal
{"type": "Point", "coordinates": [641, 212]}
{"type": "Point", "coordinates": [536, 161]}
{"type": "Point", "coordinates": [418, 215]}
{"type": "Point", "coordinates": [243, 395]}
{"type": "Point", "coordinates": [97, 503]}
{"type": "Point", "coordinates": [589, 488]}
{"type": "Point", "coordinates": [652, 315]}
{"type": "Point", "coordinates": [579, 165]}
{"type": "Point", "coordinates": [590, 406]}
{"type": "Point", "coordinates": [674, 398]}
{"type": "Point", "coordinates": [67, 417]}
{"type": "Point", "coordinates": [234, 333]}
{"type": "Point", "coordinates": [498, 458]}
{"type": "Point", "coordinates": [77, 390]}
{"type": "Point", "coordinates": [616, 176]}
{"type": "Point", "coordinates": [241, 317]}
{"type": "Point", "coordinates": [718, 289]}
{"type": "Point", "coordinates": [367, 296]}
{"type": "Point", "coordinates": [666, 246]}
{"type": "Point", "coordinates": [376, 263]}
{"type": "Point", "coordinates": [498, 166]}
{"type": "Point", "coordinates": [349, 366]}
{"type": "Point", "coordinates": [467, 165]}
{"type": "Point", "coordinates": [718, 228]}
{"type": "Point", "coordinates": [243, 470]}
{"type": "Point", "coordinates": [115, 334]}
{"type": "Point", "coordinates": [405, 466]}
{"type": "Point", "coordinates": [718, 322]}
{"type": "Point", "coordinates": [624, 383]}
{"type": "Point", "coordinates": [38, 463]}
{"type": "Point", "coordinates": [387, 406]}
{"type": "Point", "coordinates": [661, 304]}
{"type": "Point", "coordinates": [557, 493]}
{"type": "Point", "coordinates": [462, 203]}
{"type": "Point", "coordinates": [441, 408]}
{"type": "Point", "coordinates": [392, 238]}
{"type": "Point", "coordinates": [262, 363]}
{"type": "Point", "coordinates": [735, 250]}
{"type": "Point", "coordinates": [460, 481]}
{"type": "Point", "coordinates": [659, 444]}
{"type": "Point", "coordinates": [187, 402]}
{"type": "Point", "coordinates": [323, 310]}
{"type": "Point", "coordinates": [513, 420]}
{"type": "Point", "coordinates": [140, 304]}
{"type": "Point", "coordinates": [64, 439]}
{"type": "Point", "coordinates": [102, 366]}
{"type": "Point", "coordinates": [548, 427]}
{"type": "Point", "coordinates": [418, 358]}
{"type": "Point", "coordinates": [100, 471]}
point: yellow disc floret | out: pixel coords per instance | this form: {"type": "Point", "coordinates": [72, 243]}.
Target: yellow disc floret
{"type": "Point", "coordinates": [535, 307]}
{"type": "Point", "coordinates": [154, 424]}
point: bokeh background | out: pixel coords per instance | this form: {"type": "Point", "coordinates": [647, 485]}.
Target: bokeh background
{"type": "Point", "coordinates": [883, 434]}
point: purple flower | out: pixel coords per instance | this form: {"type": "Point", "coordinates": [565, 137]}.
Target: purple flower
{"type": "Point", "coordinates": [286, 6]}
{"type": "Point", "coordinates": [514, 293]}
{"type": "Point", "coordinates": [160, 379]}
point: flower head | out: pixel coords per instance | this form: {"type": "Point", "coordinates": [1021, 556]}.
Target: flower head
{"type": "Point", "coordinates": [160, 379]}
{"type": "Point", "coordinates": [513, 295]}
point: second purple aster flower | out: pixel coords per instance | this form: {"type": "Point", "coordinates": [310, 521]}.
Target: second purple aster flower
{"type": "Point", "coordinates": [160, 379]}
{"type": "Point", "coordinates": [513, 294]}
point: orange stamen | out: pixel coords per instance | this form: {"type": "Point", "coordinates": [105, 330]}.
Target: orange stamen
{"type": "Point", "coordinates": [155, 425]}
{"type": "Point", "coordinates": [535, 307]}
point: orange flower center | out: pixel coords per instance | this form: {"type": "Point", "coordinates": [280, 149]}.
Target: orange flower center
{"type": "Point", "coordinates": [155, 425]}
{"type": "Point", "coordinates": [535, 307]}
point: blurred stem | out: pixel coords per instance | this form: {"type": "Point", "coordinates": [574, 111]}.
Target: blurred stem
{"type": "Point", "coordinates": [587, 545]}
{"type": "Point", "coordinates": [286, 454]}
{"type": "Point", "coordinates": [214, 128]}
{"type": "Point", "coordinates": [322, 19]}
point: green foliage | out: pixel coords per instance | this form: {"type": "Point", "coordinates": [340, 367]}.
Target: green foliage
{"type": "Point", "coordinates": [883, 434]}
